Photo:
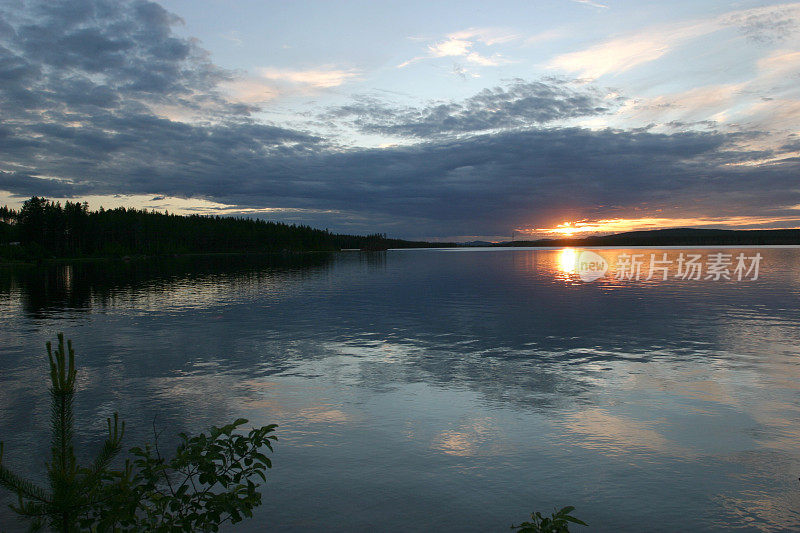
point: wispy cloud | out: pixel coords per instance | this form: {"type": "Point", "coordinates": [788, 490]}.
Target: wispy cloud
{"type": "Point", "coordinates": [234, 37]}
{"type": "Point", "coordinates": [250, 90]}
{"type": "Point", "coordinates": [767, 101]}
{"type": "Point", "coordinates": [487, 36]}
{"type": "Point", "coordinates": [624, 53]}
{"type": "Point", "coordinates": [462, 43]}
{"type": "Point", "coordinates": [269, 83]}
{"type": "Point", "coordinates": [591, 3]}
{"type": "Point", "coordinates": [324, 77]}
{"type": "Point", "coordinates": [780, 63]}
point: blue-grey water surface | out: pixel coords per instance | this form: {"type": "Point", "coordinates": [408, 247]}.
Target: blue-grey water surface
{"type": "Point", "coordinates": [446, 390]}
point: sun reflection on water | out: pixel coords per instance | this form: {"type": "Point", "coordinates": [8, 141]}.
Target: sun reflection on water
{"type": "Point", "coordinates": [566, 260]}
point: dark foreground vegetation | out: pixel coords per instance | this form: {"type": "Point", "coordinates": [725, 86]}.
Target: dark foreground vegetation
{"type": "Point", "coordinates": [676, 237]}
{"type": "Point", "coordinates": [44, 229]}
{"type": "Point", "coordinates": [212, 478]}
{"type": "Point", "coordinates": [558, 522]}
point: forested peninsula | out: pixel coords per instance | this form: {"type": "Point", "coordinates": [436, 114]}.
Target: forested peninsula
{"type": "Point", "coordinates": [43, 229]}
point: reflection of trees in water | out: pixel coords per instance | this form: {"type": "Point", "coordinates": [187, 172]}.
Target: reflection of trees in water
{"type": "Point", "coordinates": [516, 339]}
{"type": "Point", "coordinates": [79, 286]}
{"type": "Point", "coordinates": [187, 377]}
{"type": "Point", "coordinates": [373, 259]}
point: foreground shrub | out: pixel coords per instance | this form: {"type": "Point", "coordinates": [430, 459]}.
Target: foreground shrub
{"type": "Point", "coordinates": [558, 522]}
{"type": "Point", "coordinates": [212, 478]}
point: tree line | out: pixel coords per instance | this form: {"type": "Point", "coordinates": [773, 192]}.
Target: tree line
{"type": "Point", "coordinates": [43, 228]}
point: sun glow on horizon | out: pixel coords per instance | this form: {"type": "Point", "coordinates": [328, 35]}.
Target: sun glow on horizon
{"type": "Point", "coordinates": [568, 228]}
{"type": "Point", "coordinates": [620, 225]}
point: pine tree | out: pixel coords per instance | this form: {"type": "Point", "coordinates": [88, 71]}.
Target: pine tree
{"type": "Point", "coordinates": [209, 480]}
{"type": "Point", "coordinates": [73, 490]}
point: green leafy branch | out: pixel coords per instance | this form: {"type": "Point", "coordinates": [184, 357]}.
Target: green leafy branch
{"type": "Point", "coordinates": [211, 479]}
{"type": "Point", "coordinates": [558, 522]}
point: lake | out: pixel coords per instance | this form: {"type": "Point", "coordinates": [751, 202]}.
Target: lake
{"type": "Point", "coordinates": [448, 390]}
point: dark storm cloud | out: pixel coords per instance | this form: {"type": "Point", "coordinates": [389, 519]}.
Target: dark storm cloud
{"type": "Point", "coordinates": [477, 185]}
{"type": "Point", "coordinates": [495, 182]}
{"type": "Point", "coordinates": [78, 55]}
{"type": "Point", "coordinates": [28, 185]}
{"type": "Point", "coordinates": [82, 83]}
{"type": "Point", "coordinates": [520, 104]}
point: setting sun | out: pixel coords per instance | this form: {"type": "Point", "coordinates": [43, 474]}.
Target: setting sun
{"type": "Point", "coordinates": [618, 225]}
{"type": "Point", "coordinates": [567, 228]}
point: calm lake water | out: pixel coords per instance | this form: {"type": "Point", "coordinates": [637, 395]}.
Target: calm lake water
{"type": "Point", "coordinates": [448, 390]}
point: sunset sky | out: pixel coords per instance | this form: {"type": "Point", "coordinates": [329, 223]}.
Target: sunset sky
{"type": "Point", "coordinates": [458, 120]}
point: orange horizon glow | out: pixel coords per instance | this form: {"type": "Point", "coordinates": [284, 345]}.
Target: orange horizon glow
{"type": "Point", "coordinates": [568, 228]}
{"type": "Point", "coordinates": [619, 225]}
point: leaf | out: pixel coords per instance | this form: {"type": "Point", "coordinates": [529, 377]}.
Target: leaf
{"type": "Point", "coordinates": [576, 520]}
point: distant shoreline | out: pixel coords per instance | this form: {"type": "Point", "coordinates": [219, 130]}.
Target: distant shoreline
{"type": "Point", "coordinates": [665, 238]}
{"type": "Point", "coordinates": [669, 237]}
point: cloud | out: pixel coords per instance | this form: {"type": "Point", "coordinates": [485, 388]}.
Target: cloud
{"type": "Point", "coordinates": [491, 61]}
{"type": "Point", "coordinates": [767, 101]}
{"type": "Point", "coordinates": [767, 24]}
{"type": "Point", "coordinates": [479, 185]}
{"type": "Point", "coordinates": [73, 57]}
{"type": "Point", "coordinates": [463, 73]}
{"type": "Point", "coordinates": [591, 3]}
{"type": "Point", "coordinates": [780, 64]}
{"type": "Point", "coordinates": [462, 43]}
{"type": "Point", "coordinates": [450, 47]}
{"type": "Point", "coordinates": [269, 83]}
{"type": "Point", "coordinates": [320, 78]}
{"type": "Point", "coordinates": [251, 90]}
{"type": "Point", "coordinates": [233, 36]}
{"type": "Point", "coordinates": [94, 92]}
{"type": "Point", "coordinates": [519, 104]}
{"type": "Point", "coordinates": [624, 53]}
{"type": "Point", "coordinates": [487, 36]}
{"type": "Point", "coordinates": [705, 106]}
{"type": "Point", "coordinates": [770, 24]}
{"type": "Point", "coordinates": [103, 86]}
